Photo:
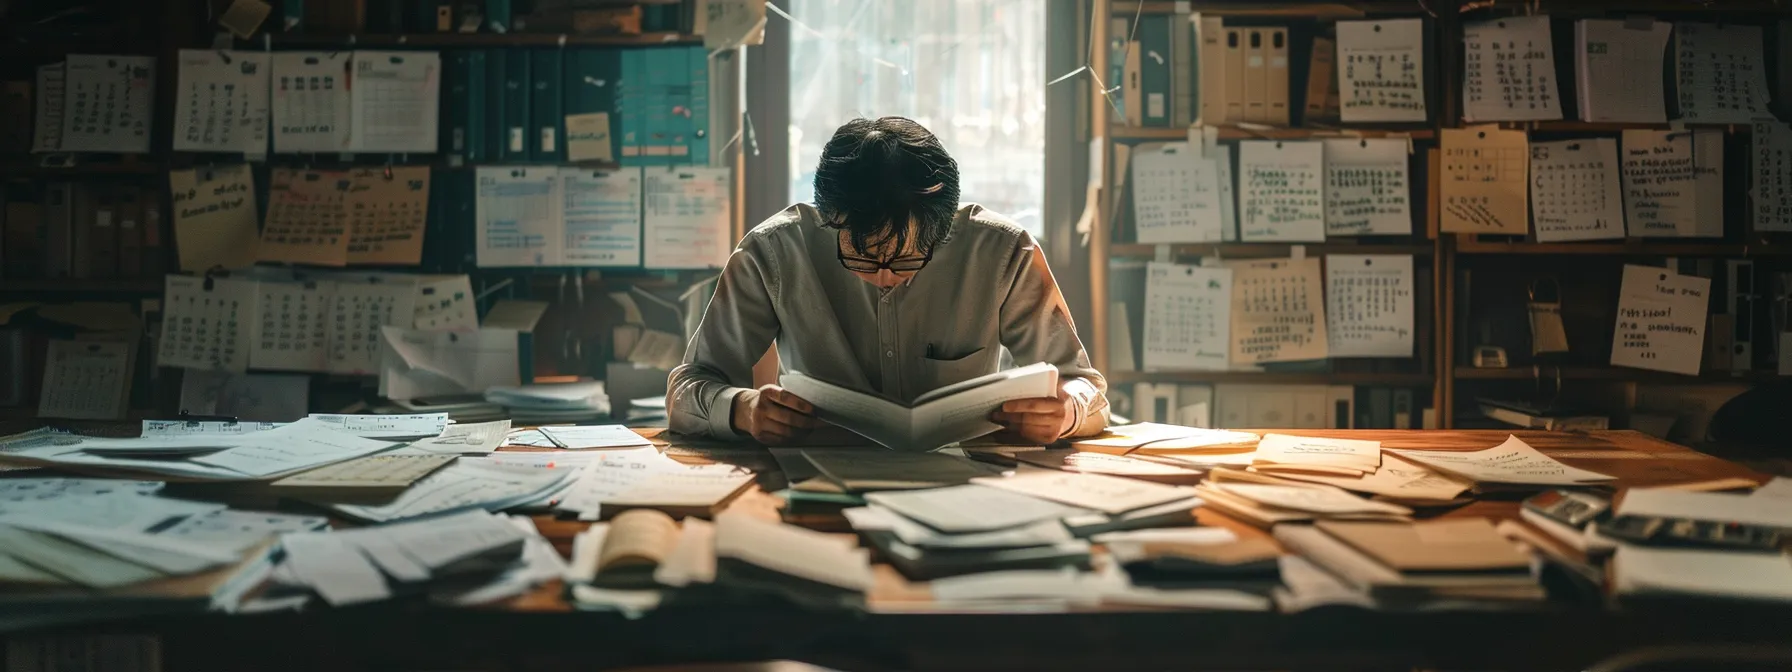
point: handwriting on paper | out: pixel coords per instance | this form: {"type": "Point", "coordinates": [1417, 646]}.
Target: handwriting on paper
{"type": "Point", "coordinates": [1368, 305]}
{"type": "Point", "coordinates": [1509, 70]}
{"type": "Point", "coordinates": [1283, 191]}
{"type": "Point", "coordinates": [1381, 66]}
{"type": "Point", "coordinates": [1720, 73]}
{"type": "Point", "coordinates": [1485, 171]}
{"type": "Point", "coordinates": [1574, 190]}
{"type": "Point", "coordinates": [1187, 317]}
{"type": "Point", "coordinates": [1366, 188]}
{"type": "Point", "coordinates": [214, 217]}
{"type": "Point", "coordinates": [1772, 144]}
{"type": "Point", "coordinates": [1278, 312]}
{"type": "Point", "coordinates": [1673, 183]}
{"type": "Point", "coordinates": [1175, 196]}
{"type": "Point", "coordinates": [1661, 320]}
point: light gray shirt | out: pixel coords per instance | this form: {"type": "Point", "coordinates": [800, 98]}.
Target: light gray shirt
{"type": "Point", "coordinates": [987, 287]}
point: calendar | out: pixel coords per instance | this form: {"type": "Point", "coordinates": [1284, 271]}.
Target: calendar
{"type": "Point", "coordinates": [1574, 190]}
{"type": "Point", "coordinates": [1721, 73]}
{"type": "Point", "coordinates": [1509, 69]}
{"type": "Point", "coordinates": [1175, 196]}
{"type": "Point", "coordinates": [1282, 188]}
{"type": "Point", "coordinates": [1483, 189]}
{"type": "Point", "coordinates": [1368, 305]}
{"type": "Point", "coordinates": [387, 210]}
{"type": "Point", "coordinates": [294, 321]}
{"type": "Point", "coordinates": [1278, 312]}
{"type": "Point", "coordinates": [307, 220]}
{"type": "Point", "coordinates": [207, 323]}
{"type": "Point", "coordinates": [1772, 163]}
{"type": "Point", "coordinates": [361, 310]}
{"type": "Point", "coordinates": [85, 380]}
{"type": "Point", "coordinates": [1381, 70]}
{"type": "Point", "coordinates": [106, 103]}
{"type": "Point", "coordinates": [1366, 188]}
{"type": "Point", "coordinates": [1187, 317]}
{"type": "Point", "coordinates": [221, 104]}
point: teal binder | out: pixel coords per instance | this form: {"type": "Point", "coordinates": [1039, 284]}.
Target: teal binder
{"type": "Point", "coordinates": [497, 65]}
{"type": "Point", "coordinates": [463, 107]}
{"type": "Point", "coordinates": [498, 15]}
{"type": "Point", "coordinates": [516, 143]}
{"type": "Point", "coordinates": [697, 133]}
{"type": "Point", "coordinates": [626, 121]}
{"type": "Point", "coordinates": [548, 136]}
{"type": "Point", "coordinates": [1154, 68]}
{"type": "Point", "coordinates": [591, 80]}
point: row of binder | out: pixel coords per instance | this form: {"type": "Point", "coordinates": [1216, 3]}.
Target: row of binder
{"type": "Point", "coordinates": [511, 105]}
{"type": "Point", "coordinates": [1175, 69]}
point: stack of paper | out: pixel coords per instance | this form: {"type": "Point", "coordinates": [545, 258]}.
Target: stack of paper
{"type": "Point", "coordinates": [464, 439]}
{"type": "Point", "coordinates": [1110, 465]}
{"type": "Point", "coordinates": [254, 456]}
{"type": "Point", "coordinates": [764, 557]}
{"type": "Point", "coordinates": [866, 470]}
{"type": "Point", "coordinates": [1642, 571]}
{"type": "Point", "coordinates": [1266, 505]}
{"type": "Point", "coordinates": [365, 564]}
{"type": "Point", "coordinates": [1511, 463]}
{"type": "Point", "coordinates": [1398, 481]}
{"type": "Point", "coordinates": [628, 562]}
{"type": "Point", "coordinates": [1163, 439]}
{"type": "Point", "coordinates": [1462, 558]}
{"type": "Point", "coordinates": [1317, 455]}
{"type": "Point", "coordinates": [552, 402]}
{"type": "Point", "coordinates": [644, 479]}
{"type": "Point", "coordinates": [921, 552]}
{"type": "Point", "coordinates": [470, 483]}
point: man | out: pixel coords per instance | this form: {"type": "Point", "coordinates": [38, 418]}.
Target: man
{"type": "Point", "coordinates": [885, 285]}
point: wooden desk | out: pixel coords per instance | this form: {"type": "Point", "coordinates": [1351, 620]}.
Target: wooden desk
{"type": "Point", "coordinates": [541, 631]}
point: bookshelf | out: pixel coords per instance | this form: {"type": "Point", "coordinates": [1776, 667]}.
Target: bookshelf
{"type": "Point", "coordinates": [480, 40]}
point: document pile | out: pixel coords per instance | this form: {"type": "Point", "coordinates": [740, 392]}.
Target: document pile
{"type": "Point", "coordinates": [552, 402]}
{"type": "Point", "coordinates": [461, 408]}
{"type": "Point", "coordinates": [241, 455]}
{"type": "Point", "coordinates": [489, 484]}
{"type": "Point", "coordinates": [1706, 545]}
{"type": "Point", "coordinates": [1174, 444]}
{"type": "Point", "coordinates": [462, 558]}
{"type": "Point", "coordinates": [1463, 559]}
{"type": "Point", "coordinates": [1510, 465]}
{"type": "Point", "coordinates": [1265, 505]}
{"type": "Point", "coordinates": [642, 478]}
{"type": "Point", "coordinates": [1397, 481]}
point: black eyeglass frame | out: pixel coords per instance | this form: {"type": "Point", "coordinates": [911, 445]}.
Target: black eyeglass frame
{"type": "Point", "coordinates": [870, 266]}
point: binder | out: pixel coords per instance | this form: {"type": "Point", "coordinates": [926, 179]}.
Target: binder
{"type": "Point", "coordinates": [516, 99]}
{"type": "Point", "coordinates": [463, 103]}
{"type": "Point", "coordinates": [59, 225]}
{"type": "Point", "coordinates": [498, 15]}
{"type": "Point", "coordinates": [1134, 102]}
{"type": "Point", "coordinates": [549, 127]}
{"type": "Point", "coordinates": [663, 73]}
{"type": "Point", "coordinates": [1234, 64]}
{"type": "Point", "coordinates": [1322, 80]}
{"type": "Point", "coordinates": [696, 138]}
{"type": "Point", "coordinates": [102, 263]}
{"type": "Point", "coordinates": [1185, 63]}
{"type": "Point", "coordinates": [497, 64]}
{"type": "Point", "coordinates": [1195, 406]}
{"type": "Point", "coordinates": [1740, 274]}
{"type": "Point", "coordinates": [130, 232]}
{"type": "Point", "coordinates": [1154, 402]}
{"type": "Point", "coordinates": [1277, 83]}
{"type": "Point", "coordinates": [1403, 415]}
{"type": "Point", "coordinates": [1118, 34]}
{"type": "Point", "coordinates": [625, 121]}
{"type": "Point", "coordinates": [590, 82]}
{"type": "Point", "coordinates": [23, 239]}
{"type": "Point", "coordinates": [292, 16]}
{"type": "Point", "coordinates": [1154, 68]}
{"type": "Point", "coordinates": [1256, 75]}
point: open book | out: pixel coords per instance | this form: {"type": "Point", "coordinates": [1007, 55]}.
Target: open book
{"type": "Point", "coordinates": [946, 415]}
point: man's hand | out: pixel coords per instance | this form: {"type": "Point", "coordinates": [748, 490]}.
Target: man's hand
{"type": "Point", "coordinates": [773, 415]}
{"type": "Point", "coordinates": [1040, 421]}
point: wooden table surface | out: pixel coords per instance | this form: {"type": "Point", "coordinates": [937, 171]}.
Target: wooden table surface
{"type": "Point", "coordinates": [542, 631]}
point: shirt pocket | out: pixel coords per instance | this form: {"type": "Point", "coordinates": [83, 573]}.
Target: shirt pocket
{"type": "Point", "coordinates": [938, 372]}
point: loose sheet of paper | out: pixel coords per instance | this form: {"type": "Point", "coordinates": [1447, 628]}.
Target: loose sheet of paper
{"type": "Point", "coordinates": [1325, 501]}
{"type": "Point", "coordinates": [386, 426]}
{"type": "Point", "coordinates": [792, 550]}
{"type": "Point", "coordinates": [255, 397]}
{"type": "Point", "coordinates": [971, 508]}
{"type": "Point", "coordinates": [469, 483]}
{"type": "Point", "coordinates": [464, 439]}
{"type": "Point", "coordinates": [594, 436]}
{"type": "Point", "coordinates": [1381, 70]}
{"type": "Point", "coordinates": [1712, 506]}
{"type": "Point", "coordinates": [207, 328]}
{"type": "Point", "coordinates": [1368, 305]}
{"type": "Point", "coordinates": [1484, 181]}
{"type": "Point", "coordinates": [307, 221]}
{"type": "Point", "coordinates": [85, 380]}
{"type": "Point", "coordinates": [293, 326]}
{"type": "Point", "coordinates": [1282, 191]}
{"type": "Point", "coordinates": [1772, 187]}
{"type": "Point", "coordinates": [588, 137]}
{"type": "Point", "coordinates": [1366, 188]}
{"type": "Point", "coordinates": [311, 101]}
{"type": "Point", "coordinates": [1187, 317]}
{"type": "Point", "coordinates": [50, 97]}
{"type": "Point", "coordinates": [393, 100]}
{"type": "Point", "coordinates": [387, 210]}
{"type": "Point", "coordinates": [602, 215]}
{"type": "Point", "coordinates": [214, 217]}
{"type": "Point", "coordinates": [221, 104]}
{"type": "Point", "coordinates": [688, 218]}
{"type": "Point", "coordinates": [520, 217]}
{"type": "Point", "coordinates": [1661, 320]}
{"type": "Point", "coordinates": [1673, 183]}
{"type": "Point", "coordinates": [1720, 73]}
{"type": "Point", "coordinates": [1284, 449]}
{"type": "Point", "coordinates": [1278, 312]}
{"type": "Point", "coordinates": [1510, 71]}
{"type": "Point", "coordinates": [1397, 478]}
{"type": "Point", "coordinates": [301, 445]}
{"type": "Point", "coordinates": [445, 303]}
{"type": "Point", "coordinates": [1511, 462]}
{"type": "Point", "coordinates": [1175, 195]}
{"type": "Point", "coordinates": [1107, 494]}
{"type": "Point", "coordinates": [418, 364]}
{"type": "Point", "coordinates": [107, 103]}
{"type": "Point", "coordinates": [1574, 190]}
{"type": "Point", "coordinates": [1618, 70]}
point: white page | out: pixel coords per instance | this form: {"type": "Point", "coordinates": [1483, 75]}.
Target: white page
{"type": "Point", "coordinates": [1661, 320]}
{"type": "Point", "coordinates": [293, 332]}
{"type": "Point", "coordinates": [1221, 156]}
{"type": "Point", "coordinates": [469, 483]}
{"type": "Point", "coordinates": [1509, 71]}
{"type": "Point", "coordinates": [107, 103]}
{"type": "Point", "coordinates": [392, 427]}
{"type": "Point", "coordinates": [1381, 70]}
{"type": "Point", "coordinates": [359, 314]}
{"type": "Point", "coordinates": [310, 101]}
{"type": "Point", "coordinates": [301, 445]}
{"type": "Point", "coordinates": [696, 485]}
{"type": "Point", "coordinates": [252, 397]}
{"type": "Point", "coordinates": [440, 542]}
{"type": "Point", "coordinates": [1175, 195]}
{"type": "Point", "coordinates": [693, 558]}
{"type": "Point", "coordinates": [1281, 191]}
{"type": "Point", "coordinates": [609, 474]}
{"type": "Point", "coordinates": [85, 380]}
{"type": "Point", "coordinates": [792, 550]}
{"type": "Point", "coordinates": [962, 509]}
{"type": "Point", "coordinates": [1107, 494]}
{"type": "Point", "coordinates": [1673, 183]}
{"type": "Point", "coordinates": [1278, 312]}
{"type": "Point", "coordinates": [1713, 573]}
{"type": "Point", "coordinates": [1066, 585]}
{"type": "Point", "coordinates": [203, 427]}
{"type": "Point", "coordinates": [1366, 187]}
{"type": "Point", "coordinates": [72, 561]}
{"type": "Point", "coordinates": [1720, 73]}
{"type": "Point", "coordinates": [1396, 478]}
{"type": "Point", "coordinates": [964, 414]}
{"type": "Point", "coordinates": [1364, 456]}
{"type": "Point", "coordinates": [49, 491]}
{"type": "Point", "coordinates": [1720, 507]}
{"type": "Point", "coordinates": [1771, 189]}
{"type": "Point", "coordinates": [1368, 305]}
{"type": "Point", "coordinates": [394, 101]}
{"type": "Point", "coordinates": [603, 217]}
{"type": "Point", "coordinates": [594, 436]}
{"type": "Point", "coordinates": [1619, 71]}
{"type": "Point", "coordinates": [338, 571]}
{"type": "Point", "coordinates": [465, 439]}
{"type": "Point", "coordinates": [118, 511]}
{"type": "Point", "coordinates": [1187, 317]}
{"type": "Point", "coordinates": [1169, 535]}
{"type": "Point", "coordinates": [445, 303]}
{"type": "Point", "coordinates": [1042, 533]}
{"type": "Point", "coordinates": [520, 217]}
{"type": "Point", "coordinates": [238, 531]}
{"type": "Point", "coordinates": [1778, 488]}
{"type": "Point", "coordinates": [1511, 462]}
{"type": "Point", "coordinates": [209, 329]}
{"type": "Point", "coordinates": [688, 221]}
{"type": "Point", "coordinates": [1325, 501]}
{"type": "Point", "coordinates": [161, 444]}
{"type": "Point", "coordinates": [221, 104]}
{"type": "Point", "coordinates": [49, 99]}
{"type": "Point", "coordinates": [1574, 190]}
{"type": "Point", "coordinates": [424, 363]}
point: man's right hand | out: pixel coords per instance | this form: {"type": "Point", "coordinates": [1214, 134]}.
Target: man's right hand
{"type": "Point", "coordinates": [773, 415]}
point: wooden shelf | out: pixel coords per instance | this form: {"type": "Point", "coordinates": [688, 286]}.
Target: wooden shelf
{"type": "Point", "coordinates": [68, 286]}
{"type": "Point", "coordinates": [1571, 126]}
{"type": "Point", "coordinates": [1613, 373]}
{"type": "Point", "coordinates": [486, 40]}
{"type": "Point", "coordinates": [30, 168]}
{"type": "Point", "coordinates": [1304, 10]}
{"type": "Point", "coordinates": [1262, 250]}
{"type": "Point", "coordinates": [1235, 133]}
{"type": "Point", "coordinates": [1636, 247]}
{"type": "Point", "coordinates": [1274, 378]}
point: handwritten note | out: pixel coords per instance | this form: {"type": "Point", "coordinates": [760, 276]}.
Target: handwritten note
{"type": "Point", "coordinates": [1661, 320]}
{"type": "Point", "coordinates": [519, 217]}
{"type": "Point", "coordinates": [1283, 191]}
{"type": "Point", "coordinates": [1772, 188]}
{"type": "Point", "coordinates": [688, 218]}
{"type": "Point", "coordinates": [393, 101]}
{"type": "Point", "coordinates": [214, 217]}
{"type": "Point", "coordinates": [1366, 188]}
{"type": "Point", "coordinates": [602, 216]}
{"type": "Point", "coordinates": [1381, 70]}
{"type": "Point", "coordinates": [85, 380]}
{"type": "Point", "coordinates": [221, 104]}
{"type": "Point", "coordinates": [310, 101]}
{"type": "Point", "coordinates": [207, 323]}
{"type": "Point", "coordinates": [1278, 312]}
{"type": "Point", "coordinates": [293, 325]}
{"type": "Point", "coordinates": [106, 104]}
{"type": "Point", "coordinates": [1484, 181]}
{"type": "Point", "coordinates": [1368, 305]}
{"type": "Point", "coordinates": [1674, 183]}
{"type": "Point", "coordinates": [1720, 73]}
{"type": "Point", "coordinates": [387, 210]}
{"type": "Point", "coordinates": [1187, 317]}
{"type": "Point", "coordinates": [588, 137]}
{"type": "Point", "coordinates": [1509, 70]}
{"type": "Point", "coordinates": [50, 97]}
{"type": "Point", "coordinates": [1284, 449]}
{"type": "Point", "coordinates": [1175, 195]}
{"type": "Point", "coordinates": [1511, 462]}
{"type": "Point", "coordinates": [1618, 70]}
{"type": "Point", "coordinates": [1574, 190]}
{"type": "Point", "coordinates": [307, 220]}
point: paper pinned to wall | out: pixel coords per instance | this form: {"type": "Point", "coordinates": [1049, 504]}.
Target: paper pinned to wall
{"type": "Point", "coordinates": [106, 104]}
{"type": "Point", "coordinates": [307, 220]}
{"type": "Point", "coordinates": [1282, 191]}
{"type": "Point", "coordinates": [85, 380]}
{"type": "Point", "coordinates": [207, 323]}
{"type": "Point", "coordinates": [1509, 70]}
{"type": "Point", "coordinates": [214, 217]}
{"type": "Point", "coordinates": [51, 92]}
{"type": "Point", "coordinates": [310, 101]}
{"type": "Point", "coordinates": [519, 214]}
{"type": "Point", "coordinates": [602, 215]}
{"type": "Point", "coordinates": [293, 326]}
{"type": "Point", "coordinates": [1673, 183]}
{"type": "Point", "coordinates": [1367, 192]}
{"type": "Point", "coordinates": [1278, 312]}
{"type": "Point", "coordinates": [1661, 320]}
{"type": "Point", "coordinates": [1175, 195]}
{"type": "Point", "coordinates": [221, 104]}
{"type": "Point", "coordinates": [1484, 181]}
{"type": "Point", "coordinates": [1381, 70]}
{"type": "Point", "coordinates": [1772, 187]}
{"type": "Point", "coordinates": [1369, 305]}
{"type": "Point", "coordinates": [1187, 317]}
{"type": "Point", "coordinates": [1720, 73]}
{"type": "Point", "coordinates": [362, 309]}
{"type": "Point", "coordinates": [387, 212]}
{"type": "Point", "coordinates": [688, 221]}
{"type": "Point", "coordinates": [588, 137]}
{"type": "Point", "coordinates": [1574, 190]}
{"type": "Point", "coordinates": [1617, 70]}
{"type": "Point", "coordinates": [394, 101]}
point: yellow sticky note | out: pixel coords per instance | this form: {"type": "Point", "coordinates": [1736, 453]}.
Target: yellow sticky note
{"type": "Point", "coordinates": [588, 137]}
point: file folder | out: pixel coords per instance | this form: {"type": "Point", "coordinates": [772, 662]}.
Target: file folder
{"type": "Point", "coordinates": [696, 138]}
{"type": "Point", "coordinates": [464, 104]}
{"type": "Point", "coordinates": [549, 137]}
{"type": "Point", "coordinates": [1276, 111]}
{"type": "Point", "coordinates": [1185, 62]}
{"type": "Point", "coordinates": [1210, 35]}
{"type": "Point", "coordinates": [498, 15]}
{"type": "Point", "coordinates": [1235, 38]}
{"type": "Point", "coordinates": [497, 127]}
{"type": "Point", "coordinates": [1256, 75]}
{"type": "Point", "coordinates": [591, 80]}
{"type": "Point", "coordinates": [1154, 68]}
{"type": "Point", "coordinates": [516, 99]}
{"type": "Point", "coordinates": [1130, 87]}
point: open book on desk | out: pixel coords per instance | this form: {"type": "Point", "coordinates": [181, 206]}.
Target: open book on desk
{"type": "Point", "coordinates": [949, 414]}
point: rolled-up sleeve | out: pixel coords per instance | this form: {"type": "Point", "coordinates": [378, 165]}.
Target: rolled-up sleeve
{"type": "Point", "coordinates": [735, 332]}
{"type": "Point", "coordinates": [1036, 327]}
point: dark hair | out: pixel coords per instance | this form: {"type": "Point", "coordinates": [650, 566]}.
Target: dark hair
{"type": "Point", "coordinates": [876, 175]}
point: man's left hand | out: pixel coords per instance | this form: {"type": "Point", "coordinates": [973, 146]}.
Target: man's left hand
{"type": "Point", "coordinates": [1040, 421]}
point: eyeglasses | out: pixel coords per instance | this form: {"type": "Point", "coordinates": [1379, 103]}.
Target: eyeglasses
{"type": "Point", "coordinates": [897, 265]}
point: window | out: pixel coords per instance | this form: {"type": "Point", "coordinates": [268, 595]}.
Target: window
{"type": "Point", "coordinates": [971, 71]}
